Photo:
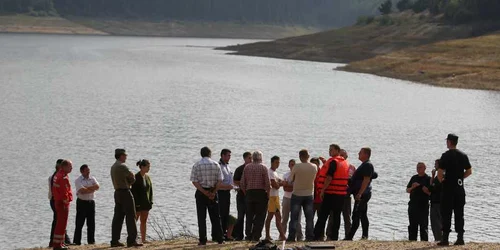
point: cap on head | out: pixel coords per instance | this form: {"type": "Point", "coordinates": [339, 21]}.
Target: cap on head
{"type": "Point", "coordinates": [452, 137]}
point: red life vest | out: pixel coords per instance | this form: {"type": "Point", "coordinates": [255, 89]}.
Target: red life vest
{"type": "Point", "coordinates": [340, 179]}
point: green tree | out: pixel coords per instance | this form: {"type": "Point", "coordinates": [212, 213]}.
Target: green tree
{"type": "Point", "coordinates": [386, 7]}
{"type": "Point", "coordinates": [404, 5]}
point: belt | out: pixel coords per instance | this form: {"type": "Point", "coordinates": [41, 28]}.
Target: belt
{"type": "Point", "coordinates": [207, 188]}
{"type": "Point", "coordinates": [88, 201]}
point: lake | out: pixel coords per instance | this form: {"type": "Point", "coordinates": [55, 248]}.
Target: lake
{"type": "Point", "coordinates": [80, 97]}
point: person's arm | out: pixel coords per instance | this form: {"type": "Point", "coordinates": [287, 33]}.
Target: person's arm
{"type": "Point", "coordinates": [468, 168]}
{"type": "Point", "coordinates": [329, 176]}
{"type": "Point", "coordinates": [267, 183]}
{"type": "Point", "coordinates": [50, 187]}
{"type": "Point", "coordinates": [426, 186]}
{"type": "Point", "coordinates": [201, 189]}
{"type": "Point", "coordinates": [364, 185]}
{"type": "Point", "coordinates": [467, 173]}
{"type": "Point", "coordinates": [237, 176]}
{"type": "Point", "coordinates": [412, 185]}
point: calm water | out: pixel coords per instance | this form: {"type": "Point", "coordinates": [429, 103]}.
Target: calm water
{"type": "Point", "coordinates": [81, 97]}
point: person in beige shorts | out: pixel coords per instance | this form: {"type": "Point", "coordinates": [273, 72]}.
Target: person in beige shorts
{"type": "Point", "coordinates": [273, 208]}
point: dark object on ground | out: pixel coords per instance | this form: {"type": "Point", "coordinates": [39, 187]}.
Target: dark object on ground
{"type": "Point", "coordinates": [264, 245]}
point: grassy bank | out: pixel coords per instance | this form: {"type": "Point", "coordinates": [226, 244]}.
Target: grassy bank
{"type": "Point", "coordinates": [82, 25]}
{"type": "Point", "coordinates": [417, 47]}
{"type": "Point", "coordinates": [44, 25]}
{"type": "Point", "coordinates": [347, 245]}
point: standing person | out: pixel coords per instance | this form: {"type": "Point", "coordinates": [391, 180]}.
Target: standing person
{"type": "Point", "coordinates": [61, 190]}
{"type": "Point", "coordinates": [435, 204]}
{"type": "Point", "coordinates": [346, 211]}
{"type": "Point", "coordinates": [362, 191]}
{"type": "Point", "coordinates": [142, 190]}
{"type": "Point", "coordinates": [454, 167]}
{"type": "Point", "coordinates": [122, 179]}
{"type": "Point", "coordinates": [224, 190]}
{"type": "Point", "coordinates": [317, 199]}
{"type": "Point", "coordinates": [273, 208]}
{"type": "Point", "coordinates": [418, 207]}
{"type": "Point", "coordinates": [67, 240]}
{"type": "Point", "coordinates": [333, 181]}
{"type": "Point", "coordinates": [287, 196]}
{"type": "Point", "coordinates": [85, 187]}
{"type": "Point", "coordinates": [206, 176]}
{"type": "Point", "coordinates": [240, 198]}
{"type": "Point", "coordinates": [303, 175]}
{"type": "Point", "coordinates": [255, 184]}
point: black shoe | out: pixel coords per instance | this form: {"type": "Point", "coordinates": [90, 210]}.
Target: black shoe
{"type": "Point", "coordinates": [117, 244]}
{"type": "Point", "coordinates": [459, 242]}
{"type": "Point", "coordinates": [134, 244]}
{"type": "Point", "coordinates": [443, 243]}
{"type": "Point", "coordinates": [76, 244]}
{"type": "Point", "coordinates": [202, 244]}
{"type": "Point", "coordinates": [347, 239]}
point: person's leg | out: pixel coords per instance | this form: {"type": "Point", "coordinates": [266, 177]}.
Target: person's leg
{"type": "Point", "coordinates": [238, 232]}
{"type": "Point", "coordinates": [346, 213]}
{"type": "Point", "coordinates": [412, 218]}
{"type": "Point", "coordinates": [224, 205]}
{"type": "Point", "coordinates": [337, 205]}
{"type": "Point", "coordinates": [62, 211]}
{"type": "Point", "coordinates": [323, 213]}
{"type": "Point", "coordinates": [250, 214]}
{"type": "Point", "coordinates": [329, 225]}
{"type": "Point", "coordinates": [91, 223]}
{"type": "Point", "coordinates": [269, 218]}
{"type": "Point", "coordinates": [436, 221]}
{"type": "Point", "coordinates": [294, 216]}
{"type": "Point", "coordinates": [365, 223]}
{"type": "Point", "coordinates": [260, 215]}
{"type": "Point", "coordinates": [356, 217]}
{"type": "Point", "coordinates": [144, 221]}
{"type": "Point", "coordinates": [118, 217]}
{"type": "Point", "coordinates": [446, 210]}
{"type": "Point", "coordinates": [307, 204]}
{"type": "Point", "coordinates": [298, 229]}
{"type": "Point", "coordinates": [129, 207]}
{"type": "Point", "coordinates": [459, 219]}
{"type": "Point", "coordinates": [213, 212]}
{"type": "Point", "coordinates": [424, 222]}
{"type": "Point", "coordinates": [286, 214]}
{"type": "Point", "coordinates": [201, 213]}
{"type": "Point", "coordinates": [54, 220]}
{"type": "Point", "coordinates": [279, 226]}
{"type": "Point", "coordinates": [80, 220]}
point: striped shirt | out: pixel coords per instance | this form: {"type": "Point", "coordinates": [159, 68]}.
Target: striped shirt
{"type": "Point", "coordinates": [255, 176]}
{"type": "Point", "coordinates": [207, 172]}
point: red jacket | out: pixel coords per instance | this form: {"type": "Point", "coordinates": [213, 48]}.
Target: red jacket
{"type": "Point", "coordinates": [61, 187]}
{"type": "Point", "coordinates": [339, 182]}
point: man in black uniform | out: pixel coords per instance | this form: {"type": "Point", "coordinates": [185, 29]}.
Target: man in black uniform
{"type": "Point", "coordinates": [418, 207]}
{"type": "Point", "coordinates": [454, 167]}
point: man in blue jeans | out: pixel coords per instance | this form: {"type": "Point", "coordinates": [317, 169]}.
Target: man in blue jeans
{"type": "Point", "coordinates": [303, 175]}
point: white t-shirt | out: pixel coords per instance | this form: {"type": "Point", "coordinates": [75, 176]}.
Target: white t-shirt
{"type": "Point", "coordinates": [286, 177]}
{"type": "Point", "coordinates": [273, 176]}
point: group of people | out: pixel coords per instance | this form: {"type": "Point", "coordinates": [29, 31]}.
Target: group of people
{"type": "Point", "coordinates": [445, 190]}
{"type": "Point", "coordinates": [323, 187]}
{"type": "Point", "coordinates": [313, 186]}
{"type": "Point", "coordinates": [316, 185]}
{"type": "Point", "coordinates": [133, 199]}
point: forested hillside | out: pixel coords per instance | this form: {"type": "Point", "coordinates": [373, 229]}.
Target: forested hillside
{"type": "Point", "coordinates": [321, 13]}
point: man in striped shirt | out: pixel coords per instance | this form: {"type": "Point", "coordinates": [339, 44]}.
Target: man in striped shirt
{"type": "Point", "coordinates": [255, 184]}
{"type": "Point", "coordinates": [206, 176]}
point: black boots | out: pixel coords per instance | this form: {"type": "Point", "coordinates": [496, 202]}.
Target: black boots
{"type": "Point", "coordinates": [460, 239]}
{"type": "Point", "coordinates": [444, 241]}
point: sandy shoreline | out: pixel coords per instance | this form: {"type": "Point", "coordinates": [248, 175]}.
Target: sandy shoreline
{"type": "Point", "coordinates": [347, 245]}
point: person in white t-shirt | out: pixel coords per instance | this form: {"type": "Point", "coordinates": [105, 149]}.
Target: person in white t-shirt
{"type": "Point", "coordinates": [273, 208]}
{"type": "Point", "coordinates": [287, 196]}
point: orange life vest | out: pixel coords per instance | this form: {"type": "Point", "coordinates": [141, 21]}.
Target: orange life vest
{"type": "Point", "coordinates": [340, 179]}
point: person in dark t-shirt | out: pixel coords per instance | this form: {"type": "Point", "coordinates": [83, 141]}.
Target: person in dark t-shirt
{"type": "Point", "coordinates": [418, 207]}
{"type": "Point", "coordinates": [360, 187]}
{"type": "Point", "coordinates": [454, 167]}
{"type": "Point", "coordinates": [435, 189]}
{"type": "Point", "coordinates": [240, 198]}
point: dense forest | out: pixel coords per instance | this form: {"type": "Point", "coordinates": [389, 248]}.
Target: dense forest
{"type": "Point", "coordinates": [323, 13]}
{"type": "Point", "coordinates": [458, 11]}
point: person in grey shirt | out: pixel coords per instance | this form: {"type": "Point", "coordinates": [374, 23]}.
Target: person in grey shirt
{"type": "Point", "coordinates": [122, 179]}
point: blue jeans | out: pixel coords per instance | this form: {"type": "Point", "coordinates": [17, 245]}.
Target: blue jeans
{"type": "Point", "coordinates": [306, 202]}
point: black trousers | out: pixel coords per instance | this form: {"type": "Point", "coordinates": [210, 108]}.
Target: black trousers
{"type": "Point", "coordinates": [333, 204]}
{"type": "Point", "coordinates": [257, 201]}
{"type": "Point", "coordinates": [452, 203]}
{"type": "Point", "coordinates": [67, 240]}
{"type": "Point", "coordinates": [436, 225]}
{"type": "Point", "coordinates": [203, 203]}
{"type": "Point", "coordinates": [241, 206]}
{"type": "Point", "coordinates": [85, 211]}
{"type": "Point", "coordinates": [124, 209]}
{"type": "Point", "coordinates": [224, 205]}
{"type": "Point", "coordinates": [418, 214]}
{"type": "Point", "coordinates": [360, 213]}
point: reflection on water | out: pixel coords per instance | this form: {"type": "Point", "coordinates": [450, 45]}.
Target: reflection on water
{"type": "Point", "coordinates": [80, 97]}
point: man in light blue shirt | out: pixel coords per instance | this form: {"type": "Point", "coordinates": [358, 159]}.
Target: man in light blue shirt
{"type": "Point", "coordinates": [224, 191]}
